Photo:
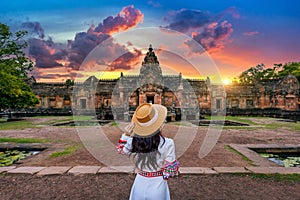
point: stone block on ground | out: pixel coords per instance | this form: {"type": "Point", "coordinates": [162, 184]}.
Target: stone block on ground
{"type": "Point", "coordinates": [5, 169]}
{"type": "Point", "coordinates": [231, 170]}
{"type": "Point", "coordinates": [54, 170]}
{"type": "Point", "coordinates": [196, 170]}
{"type": "Point", "coordinates": [25, 170]}
{"type": "Point", "coordinates": [117, 169]}
{"type": "Point", "coordinates": [84, 170]}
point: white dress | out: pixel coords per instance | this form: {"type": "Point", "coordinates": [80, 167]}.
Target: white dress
{"type": "Point", "coordinates": [155, 188]}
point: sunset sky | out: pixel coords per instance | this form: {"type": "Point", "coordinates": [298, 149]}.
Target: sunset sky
{"type": "Point", "coordinates": [196, 38]}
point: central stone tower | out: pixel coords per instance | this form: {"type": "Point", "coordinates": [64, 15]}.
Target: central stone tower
{"type": "Point", "coordinates": [150, 72]}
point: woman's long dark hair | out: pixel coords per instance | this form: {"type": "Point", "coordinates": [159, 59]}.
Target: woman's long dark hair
{"type": "Point", "coordinates": [145, 150]}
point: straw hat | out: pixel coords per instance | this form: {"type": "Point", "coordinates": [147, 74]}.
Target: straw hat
{"type": "Point", "coordinates": [148, 118]}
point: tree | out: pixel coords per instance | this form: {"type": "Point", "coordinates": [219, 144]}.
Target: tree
{"type": "Point", "coordinates": [14, 67]}
{"type": "Point", "coordinates": [290, 68]}
{"type": "Point", "coordinates": [255, 74]}
{"type": "Point", "coordinates": [69, 82]}
{"type": "Point", "coordinates": [260, 73]}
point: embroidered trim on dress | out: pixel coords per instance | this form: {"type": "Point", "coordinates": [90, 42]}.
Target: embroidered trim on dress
{"type": "Point", "coordinates": [170, 169]}
{"type": "Point", "coordinates": [120, 146]}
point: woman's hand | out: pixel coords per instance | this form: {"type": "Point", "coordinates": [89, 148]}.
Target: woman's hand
{"type": "Point", "coordinates": [129, 129]}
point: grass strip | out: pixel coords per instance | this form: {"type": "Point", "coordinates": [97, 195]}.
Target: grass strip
{"type": "Point", "coordinates": [286, 125]}
{"type": "Point", "coordinates": [273, 177]}
{"type": "Point", "coordinates": [114, 123]}
{"type": "Point", "coordinates": [278, 177]}
{"type": "Point", "coordinates": [55, 119]}
{"type": "Point", "coordinates": [17, 125]}
{"type": "Point", "coordinates": [229, 148]}
{"type": "Point", "coordinates": [67, 151]}
{"type": "Point", "coordinates": [23, 140]}
{"type": "Point", "coordinates": [233, 118]}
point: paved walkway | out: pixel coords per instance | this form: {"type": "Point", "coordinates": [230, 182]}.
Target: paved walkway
{"type": "Point", "coordinates": [77, 170]}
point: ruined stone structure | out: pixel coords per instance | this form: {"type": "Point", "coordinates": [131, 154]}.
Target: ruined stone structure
{"type": "Point", "coordinates": [184, 98]}
{"type": "Point", "coordinates": [279, 93]}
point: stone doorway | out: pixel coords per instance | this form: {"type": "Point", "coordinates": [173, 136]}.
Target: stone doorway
{"type": "Point", "coordinates": [83, 103]}
{"type": "Point", "coordinates": [150, 99]}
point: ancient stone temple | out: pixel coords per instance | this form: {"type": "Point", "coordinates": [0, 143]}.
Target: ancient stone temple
{"type": "Point", "coordinates": [186, 99]}
{"type": "Point", "coordinates": [183, 98]}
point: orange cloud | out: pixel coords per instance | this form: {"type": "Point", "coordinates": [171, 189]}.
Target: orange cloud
{"type": "Point", "coordinates": [127, 18]}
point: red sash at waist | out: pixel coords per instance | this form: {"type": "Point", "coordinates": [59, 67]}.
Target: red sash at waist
{"type": "Point", "coordinates": [150, 174]}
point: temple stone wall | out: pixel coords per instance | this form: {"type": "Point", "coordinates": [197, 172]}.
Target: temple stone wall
{"type": "Point", "coordinates": [215, 97]}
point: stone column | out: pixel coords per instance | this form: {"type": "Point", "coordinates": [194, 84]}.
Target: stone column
{"type": "Point", "coordinates": [121, 90]}
{"type": "Point", "coordinates": [142, 98]}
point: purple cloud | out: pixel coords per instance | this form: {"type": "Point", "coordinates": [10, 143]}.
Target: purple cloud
{"type": "Point", "coordinates": [44, 54]}
{"type": "Point", "coordinates": [48, 54]}
{"type": "Point", "coordinates": [185, 20]}
{"type": "Point", "coordinates": [84, 42]}
{"type": "Point", "coordinates": [213, 36]}
{"type": "Point", "coordinates": [82, 45]}
{"type": "Point", "coordinates": [33, 28]}
{"type": "Point", "coordinates": [207, 29]}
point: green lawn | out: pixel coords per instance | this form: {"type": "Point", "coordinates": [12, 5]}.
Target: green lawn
{"type": "Point", "coordinates": [285, 125]}
{"type": "Point", "coordinates": [254, 125]}
{"type": "Point", "coordinates": [233, 118]}
{"type": "Point", "coordinates": [23, 124]}
{"type": "Point", "coordinates": [54, 119]}
{"type": "Point", "coordinates": [67, 151]}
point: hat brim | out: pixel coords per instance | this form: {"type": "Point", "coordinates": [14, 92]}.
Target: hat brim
{"type": "Point", "coordinates": [149, 130]}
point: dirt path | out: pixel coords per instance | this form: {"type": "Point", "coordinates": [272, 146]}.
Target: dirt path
{"type": "Point", "coordinates": [108, 186]}
{"type": "Point", "coordinates": [62, 137]}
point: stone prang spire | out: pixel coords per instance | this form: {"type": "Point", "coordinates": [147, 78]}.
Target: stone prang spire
{"type": "Point", "coordinates": [150, 57]}
{"type": "Point", "coordinates": [150, 71]}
